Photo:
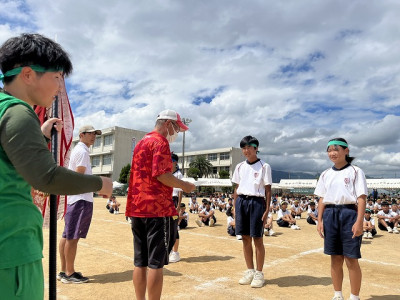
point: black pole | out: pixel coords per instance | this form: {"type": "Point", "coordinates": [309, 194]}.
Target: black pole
{"type": "Point", "coordinates": [53, 216]}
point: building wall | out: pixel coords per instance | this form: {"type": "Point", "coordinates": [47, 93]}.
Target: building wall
{"type": "Point", "coordinates": [113, 150]}
{"type": "Point", "coordinates": [215, 158]}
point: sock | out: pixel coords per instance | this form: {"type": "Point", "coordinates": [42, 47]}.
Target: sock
{"type": "Point", "coordinates": [338, 293]}
{"type": "Point", "coordinates": [353, 297]}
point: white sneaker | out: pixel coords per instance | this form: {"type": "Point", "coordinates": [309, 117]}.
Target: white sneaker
{"type": "Point", "coordinates": [293, 227]}
{"type": "Point", "coordinates": [390, 230]}
{"type": "Point", "coordinates": [369, 236]}
{"type": "Point", "coordinates": [365, 235]}
{"type": "Point", "coordinates": [272, 233]}
{"type": "Point", "coordinates": [258, 280]}
{"type": "Point", "coordinates": [338, 298]}
{"type": "Point", "coordinates": [395, 230]}
{"type": "Point", "coordinates": [129, 220]}
{"type": "Point", "coordinates": [247, 277]}
{"type": "Point", "coordinates": [297, 227]}
{"type": "Point", "coordinates": [116, 212]}
{"type": "Point", "coordinates": [174, 257]}
{"type": "Point", "coordinates": [199, 223]}
{"type": "Point", "coordinates": [239, 237]}
{"type": "Point", "coordinates": [212, 222]}
{"type": "Point", "coordinates": [266, 231]}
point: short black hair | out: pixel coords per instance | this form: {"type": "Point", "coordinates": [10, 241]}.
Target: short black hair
{"type": "Point", "coordinates": [349, 159]}
{"type": "Point", "coordinates": [229, 212]}
{"type": "Point", "coordinates": [33, 49]}
{"type": "Point", "coordinates": [174, 157]}
{"type": "Point", "coordinates": [248, 140]}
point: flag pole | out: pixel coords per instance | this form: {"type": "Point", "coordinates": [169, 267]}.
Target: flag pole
{"type": "Point", "coordinates": [53, 215]}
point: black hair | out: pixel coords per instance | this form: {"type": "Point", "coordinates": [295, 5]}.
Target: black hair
{"type": "Point", "coordinates": [248, 140]}
{"type": "Point", "coordinates": [174, 156]}
{"type": "Point", "coordinates": [33, 49]}
{"type": "Point", "coordinates": [229, 212]}
{"type": "Point", "coordinates": [349, 159]}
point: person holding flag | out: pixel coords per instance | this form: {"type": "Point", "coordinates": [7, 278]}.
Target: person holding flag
{"type": "Point", "coordinates": [32, 66]}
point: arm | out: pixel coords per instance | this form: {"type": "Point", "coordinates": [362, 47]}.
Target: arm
{"type": "Point", "coordinates": [170, 180]}
{"type": "Point", "coordinates": [26, 148]}
{"type": "Point", "coordinates": [358, 225]}
{"type": "Point", "coordinates": [321, 208]}
{"type": "Point", "coordinates": [268, 202]}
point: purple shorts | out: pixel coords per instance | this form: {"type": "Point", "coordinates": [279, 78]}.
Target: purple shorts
{"type": "Point", "coordinates": [77, 220]}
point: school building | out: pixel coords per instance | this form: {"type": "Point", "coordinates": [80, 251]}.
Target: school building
{"type": "Point", "coordinates": [221, 159]}
{"type": "Point", "coordinates": [112, 150]}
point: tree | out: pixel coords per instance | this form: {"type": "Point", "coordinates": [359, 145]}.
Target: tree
{"type": "Point", "coordinates": [203, 165]}
{"type": "Point", "coordinates": [124, 175]}
{"type": "Point", "coordinates": [223, 174]}
{"type": "Point", "coordinates": [193, 172]}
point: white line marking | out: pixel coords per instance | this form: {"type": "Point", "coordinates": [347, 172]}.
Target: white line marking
{"type": "Point", "coordinates": [379, 262]}
{"type": "Point", "coordinates": [291, 258]}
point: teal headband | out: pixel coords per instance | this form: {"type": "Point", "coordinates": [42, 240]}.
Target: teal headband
{"type": "Point", "coordinates": [340, 143]}
{"type": "Point", "coordinates": [253, 145]}
{"type": "Point", "coordinates": [18, 70]}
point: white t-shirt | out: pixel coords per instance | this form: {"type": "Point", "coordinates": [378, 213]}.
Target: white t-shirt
{"type": "Point", "coordinates": [80, 158]}
{"type": "Point", "coordinates": [370, 206]}
{"type": "Point", "coordinates": [396, 212]}
{"type": "Point", "coordinates": [341, 186]}
{"type": "Point", "coordinates": [175, 191]}
{"type": "Point", "coordinates": [297, 208]}
{"type": "Point", "coordinates": [204, 211]}
{"type": "Point", "coordinates": [378, 206]}
{"type": "Point", "coordinates": [186, 216]}
{"type": "Point", "coordinates": [282, 213]}
{"type": "Point", "coordinates": [315, 212]}
{"type": "Point", "coordinates": [388, 215]}
{"type": "Point", "coordinates": [229, 221]}
{"type": "Point", "coordinates": [372, 220]}
{"type": "Point", "coordinates": [252, 178]}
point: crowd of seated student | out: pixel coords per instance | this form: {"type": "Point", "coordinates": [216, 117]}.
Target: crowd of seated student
{"type": "Point", "coordinates": [206, 215]}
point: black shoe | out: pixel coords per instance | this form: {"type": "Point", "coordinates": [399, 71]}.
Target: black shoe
{"type": "Point", "coordinates": [61, 275]}
{"type": "Point", "coordinates": [74, 278]}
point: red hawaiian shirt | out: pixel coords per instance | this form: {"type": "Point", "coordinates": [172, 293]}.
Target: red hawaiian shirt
{"type": "Point", "coordinates": [148, 197]}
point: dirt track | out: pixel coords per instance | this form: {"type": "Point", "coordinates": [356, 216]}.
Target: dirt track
{"type": "Point", "coordinates": [212, 263]}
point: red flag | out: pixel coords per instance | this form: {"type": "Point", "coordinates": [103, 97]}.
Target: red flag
{"type": "Point", "coordinates": [40, 199]}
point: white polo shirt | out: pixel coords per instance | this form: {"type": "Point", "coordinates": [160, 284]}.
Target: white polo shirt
{"type": "Point", "coordinates": [80, 158]}
{"type": "Point", "coordinates": [252, 178]}
{"type": "Point", "coordinates": [175, 191]}
{"type": "Point", "coordinates": [341, 186]}
{"type": "Point", "coordinates": [282, 213]}
{"type": "Point", "coordinates": [387, 215]}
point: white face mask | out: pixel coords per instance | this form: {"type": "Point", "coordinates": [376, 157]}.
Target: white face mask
{"type": "Point", "coordinates": [172, 138]}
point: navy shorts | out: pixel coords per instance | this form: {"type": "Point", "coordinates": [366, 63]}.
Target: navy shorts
{"type": "Point", "coordinates": [248, 215]}
{"type": "Point", "coordinates": [153, 239]}
{"type": "Point", "coordinates": [77, 220]}
{"type": "Point", "coordinates": [338, 222]}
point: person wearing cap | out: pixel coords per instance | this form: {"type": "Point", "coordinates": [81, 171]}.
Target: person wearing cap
{"type": "Point", "coordinates": [79, 213]}
{"type": "Point", "coordinates": [150, 205]}
{"type": "Point", "coordinates": [177, 198]}
{"type": "Point", "coordinates": [368, 225]}
{"type": "Point", "coordinates": [252, 199]}
{"type": "Point", "coordinates": [343, 192]}
{"type": "Point", "coordinates": [387, 219]}
{"type": "Point", "coordinates": [296, 210]}
{"type": "Point", "coordinates": [31, 67]}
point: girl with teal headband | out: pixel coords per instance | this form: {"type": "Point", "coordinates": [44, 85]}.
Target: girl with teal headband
{"type": "Point", "coordinates": [343, 191]}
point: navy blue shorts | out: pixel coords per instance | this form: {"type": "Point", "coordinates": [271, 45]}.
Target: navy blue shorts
{"type": "Point", "coordinates": [338, 222]}
{"type": "Point", "coordinates": [248, 215]}
{"type": "Point", "coordinates": [153, 239]}
{"type": "Point", "coordinates": [77, 220]}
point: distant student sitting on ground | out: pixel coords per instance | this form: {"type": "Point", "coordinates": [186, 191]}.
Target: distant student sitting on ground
{"type": "Point", "coordinates": [387, 220]}
{"type": "Point", "coordinates": [368, 225]}
{"type": "Point", "coordinates": [183, 217]}
{"type": "Point", "coordinates": [113, 205]}
{"type": "Point", "coordinates": [312, 214]}
{"type": "Point", "coordinates": [206, 216]}
{"type": "Point", "coordinates": [268, 231]}
{"type": "Point", "coordinates": [230, 222]}
{"type": "Point", "coordinates": [396, 210]}
{"type": "Point", "coordinates": [285, 219]}
{"type": "Point", "coordinates": [378, 206]}
{"type": "Point", "coordinates": [222, 204]}
{"type": "Point", "coordinates": [275, 206]}
{"type": "Point", "coordinates": [296, 210]}
{"type": "Point", "coordinates": [194, 206]}
{"type": "Point", "coordinates": [370, 205]}
{"type": "Point", "coordinates": [229, 204]}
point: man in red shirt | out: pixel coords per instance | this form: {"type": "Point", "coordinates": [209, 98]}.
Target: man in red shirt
{"type": "Point", "coordinates": [150, 205]}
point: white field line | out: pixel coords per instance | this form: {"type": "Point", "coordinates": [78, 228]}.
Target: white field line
{"type": "Point", "coordinates": [291, 258]}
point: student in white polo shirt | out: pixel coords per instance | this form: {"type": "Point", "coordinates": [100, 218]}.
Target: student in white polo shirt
{"type": "Point", "coordinates": [251, 201]}
{"type": "Point", "coordinates": [343, 191]}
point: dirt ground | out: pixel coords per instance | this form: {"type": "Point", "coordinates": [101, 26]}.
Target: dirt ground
{"type": "Point", "coordinates": [212, 263]}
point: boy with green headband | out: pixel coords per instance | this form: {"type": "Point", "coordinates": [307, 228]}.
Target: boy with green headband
{"type": "Point", "coordinates": [343, 191]}
{"type": "Point", "coordinates": [31, 67]}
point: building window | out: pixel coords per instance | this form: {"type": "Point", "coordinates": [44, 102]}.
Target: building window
{"type": "Point", "coordinates": [97, 142]}
{"type": "Point", "coordinates": [95, 161]}
{"type": "Point", "coordinates": [107, 159]}
{"type": "Point", "coordinates": [108, 140]}
{"type": "Point", "coordinates": [224, 156]}
{"type": "Point", "coordinates": [212, 157]}
{"type": "Point", "coordinates": [215, 170]}
{"type": "Point", "coordinates": [225, 169]}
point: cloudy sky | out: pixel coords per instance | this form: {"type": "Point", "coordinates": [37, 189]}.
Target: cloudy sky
{"type": "Point", "coordinates": [292, 73]}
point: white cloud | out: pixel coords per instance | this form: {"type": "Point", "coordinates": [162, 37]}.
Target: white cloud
{"type": "Point", "coordinates": [294, 73]}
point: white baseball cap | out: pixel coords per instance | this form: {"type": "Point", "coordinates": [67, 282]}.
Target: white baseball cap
{"type": "Point", "coordinates": [89, 128]}
{"type": "Point", "coordinates": [169, 114]}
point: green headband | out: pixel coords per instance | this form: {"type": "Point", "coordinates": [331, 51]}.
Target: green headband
{"type": "Point", "coordinates": [18, 70]}
{"type": "Point", "coordinates": [340, 143]}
